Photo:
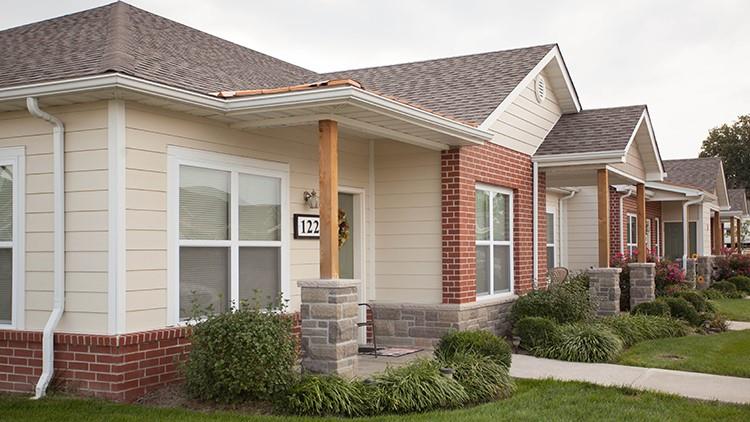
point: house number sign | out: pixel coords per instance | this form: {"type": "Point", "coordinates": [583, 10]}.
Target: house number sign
{"type": "Point", "coordinates": [306, 226]}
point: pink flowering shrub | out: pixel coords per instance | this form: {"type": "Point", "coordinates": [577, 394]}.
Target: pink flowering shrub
{"type": "Point", "coordinates": [731, 264]}
{"type": "Point", "coordinates": [669, 275]}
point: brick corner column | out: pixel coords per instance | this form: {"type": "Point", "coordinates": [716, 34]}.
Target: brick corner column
{"type": "Point", "coordinates": [642, 282]}
{"type": "Point", "coordinates": [329, 326]}
{"type": "Point", "coordinates": [458, 211]}
{"type": "Point", "coordinates": [604, 287]}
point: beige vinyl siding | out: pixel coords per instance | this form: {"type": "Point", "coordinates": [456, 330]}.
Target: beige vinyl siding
{"type": "Point", "coordinates": [407, 224]}
{"type": "Point", "coordinates": [633, 164]}
{"type": "Point", "coordinates": [149, 132]}
{"type": "Point", "coordinates": [582, 230]}
{"type": "Point", "coordinates": [525, 123]}
{"type": "Point", "coordinates": [86, 203]}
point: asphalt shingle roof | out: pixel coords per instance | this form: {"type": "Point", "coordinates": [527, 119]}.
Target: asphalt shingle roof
{"type": "Point", "coordinates": [595, 130]}
{"type": "Point", "coordinates": [121, 38]}
{"type": "Point", "coordinates": [698, 172]}
{"type": "Point", "coordinates": [738, 200]}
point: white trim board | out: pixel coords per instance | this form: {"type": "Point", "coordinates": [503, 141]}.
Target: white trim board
{"type": "Point", "coordinates": [116, 274]}
{"type": "Point", "coordinates": [16, 157]}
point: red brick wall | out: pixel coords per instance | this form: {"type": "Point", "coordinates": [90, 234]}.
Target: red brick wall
{"type": "Point", "coordinates": [494, 165]}
{"type": "Point", "coordinates": [629, 206]}
{"type": "Point", "coordinates": [121, 368]}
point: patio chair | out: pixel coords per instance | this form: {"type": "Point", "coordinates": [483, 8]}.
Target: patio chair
{"type": "Point", "coordinates": [558, 275]}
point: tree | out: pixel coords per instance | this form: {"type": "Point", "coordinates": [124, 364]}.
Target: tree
{"type": "Point", "coordinates": [732, 144]}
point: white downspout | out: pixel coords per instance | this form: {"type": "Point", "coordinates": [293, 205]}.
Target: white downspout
{"type": "Point", "coordinates": [564, 229]}
{"type": "Point", "coordinates": [58, 295]}
{"type": "Point", "coordinates": [685, 225]}
{"type": "Point", "coordinates": [535, 223]}
{"type": "Point", "coordinates": [622, 216]}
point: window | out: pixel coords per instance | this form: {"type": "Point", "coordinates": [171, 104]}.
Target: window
{"type": "Point", "coordinates": [11, 237]}
{"type": "Point", "coordinates": [494, 241]}
{"type": "Point", "coordinates": [229, 224]}
{"type": "Point", "coordinates": [632, 243]}
{"type": "Point", "coordinates": [673, 239]}
{"type": "Point", "coordinates": [649, 249]}
{"type": "Point", "coordinates": [551, 255]}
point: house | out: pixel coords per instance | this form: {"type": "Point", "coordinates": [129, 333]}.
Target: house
{"type": "Point", "coordinates": [148, 166]}
{"type": "Point", "coordinates": [733, 220]}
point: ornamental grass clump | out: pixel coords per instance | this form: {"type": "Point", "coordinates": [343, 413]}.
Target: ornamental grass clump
{"type": "Point", "coordinates": [324, 395]}
{"type": "Point", "coordinates": [479, 342]}
{"type": "Point", "coordinates": [654, 308]}
{"type": "Point", "coordinates": [583, 343]}
{"type": "Point", "coordinates": [633, 329]}
{"type": "Point", "coordinates": [243, 354]}
{"type": "Point", "coordinates": [416, 387]}
{"type": "Point", "coordinates": [483, 379]}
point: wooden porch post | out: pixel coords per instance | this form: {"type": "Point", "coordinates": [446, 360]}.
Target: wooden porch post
{"type": "Point", "coordinates": [642, 241]}
{"type": "Point", "coordinates": [602, 179]}
{"type": "Point", "coordinates": [328, 134]}
{"type": "Point", "coordinates": [718, 234]}
{"type": "Point", "coordinates": [732, 233]}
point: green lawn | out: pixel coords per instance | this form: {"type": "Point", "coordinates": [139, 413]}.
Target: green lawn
{"type": "Point", "coordinates": [734, 309]}
{"type": "Point", "coordinates": [724, 354]}
{"type": "Point", "coordinates": [535, 400]}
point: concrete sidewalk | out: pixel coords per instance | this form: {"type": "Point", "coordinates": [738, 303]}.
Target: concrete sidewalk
{"type": "Point", "coordinates": [738, 325]}
{"type": "Point", "coordinates": [686, 384]}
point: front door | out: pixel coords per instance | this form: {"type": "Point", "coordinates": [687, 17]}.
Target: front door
{"type": "Point", "coordinates": [351, 245]}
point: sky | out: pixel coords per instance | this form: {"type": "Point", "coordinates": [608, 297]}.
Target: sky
{"type": "Point", "coordinates": [689, 61]}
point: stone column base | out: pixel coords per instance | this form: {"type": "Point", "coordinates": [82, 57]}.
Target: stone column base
{"type": "Point", "coordinates": [329, 326]}
{"type": "Point", "coordinates": [604, 287]}
{"type": "Point", "coordinates": [690, 272]}
{"type": "Point", "coordinates": [642, 283]}
{"type": "Point", "coordinates": [704, 271]}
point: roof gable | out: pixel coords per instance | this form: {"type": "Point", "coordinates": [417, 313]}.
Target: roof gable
{"type": "Point", "coordinates": [701, 173]}
{"type": "Point", "coordinates": [738, 200]}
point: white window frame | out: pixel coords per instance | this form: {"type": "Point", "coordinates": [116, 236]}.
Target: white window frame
{"type": "Point", "coordinates": [631, 244]}
{"type": "Point", "coordinates": [492, 243]}
{"type": "Point", "coordinates": [16, 158]}
{"type": "Point", "coordinates": [657, 223]}
{"type": "Point", "coordinates": [179, 156]}
{"type": "Point", "coordinates": [553, 245]}
{"type": "Point", "coordinates": [649, 227]}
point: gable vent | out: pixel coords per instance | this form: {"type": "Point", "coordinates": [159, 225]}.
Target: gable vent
{"type": "Point", "coordinates": [540, 88]}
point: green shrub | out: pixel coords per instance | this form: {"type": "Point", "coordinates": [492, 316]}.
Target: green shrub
{"type": "Point", "coordinates": [563, 303]}
{"type": "Point", "coordinates": [247, 354]}
{"type": "Point", "coordinates": [728, 289]}
{"type": "Point", "coordinates": [699, 302]}
{"type": "Point", "coordinates": [325, 395]}
{"type": "Point", "coordinates": [535, 332]}
{"type": "Point", "coordinates": [741, 282]}
{"type": "Point", "coordinates": [633, 329]}
{"type": "Point", "coordinates": [712, 294]}
{"type": "Point", "coordinates": [479, 342]}
{"type": "Point", "coordinates": [483, 379]}
{"type": "Point", "coordinates": [655, 308]}
{"type": "Point", "coordinates": [684, 310]}
{"type": "Point", "coordinates": [583, 343]}
{"type": "Point", "coordinates": [416, 387]}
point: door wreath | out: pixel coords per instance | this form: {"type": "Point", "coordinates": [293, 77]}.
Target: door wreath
{"type": "Point", "coordinates": [343, 228]}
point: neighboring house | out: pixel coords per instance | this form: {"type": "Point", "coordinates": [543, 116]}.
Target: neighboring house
{"type": "Point", "coordinates": [148, 165]}
{"type": "Point", "coordinates": [734, 219]}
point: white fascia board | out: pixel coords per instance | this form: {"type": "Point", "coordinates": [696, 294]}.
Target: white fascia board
{"type": "Point", "coordinates": [688, 192]}
{"type": "Point", "coordinates": [584, 158]}
{"type": "Point", "coordinates": [337, 95]}
{"type": "Point", "coordinates": [553, 53]}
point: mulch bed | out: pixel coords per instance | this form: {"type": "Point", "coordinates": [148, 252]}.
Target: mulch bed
{"type": "Point", "coordinates": [175, 396]}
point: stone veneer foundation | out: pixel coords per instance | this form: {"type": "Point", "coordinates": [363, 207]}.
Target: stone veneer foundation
{"type": "Point", "coordinates": [705, 268]}
{"type": "Point", "coordinates": [422, 325]}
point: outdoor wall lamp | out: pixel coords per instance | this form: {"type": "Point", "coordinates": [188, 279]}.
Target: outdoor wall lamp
{"type": "Point", "coordinates": [311, 199]}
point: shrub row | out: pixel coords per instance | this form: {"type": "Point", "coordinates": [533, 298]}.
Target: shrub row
{"type": "Point", "coordinates": [687, 305]}
{"type": "Point", "coordinates": [562, 303]}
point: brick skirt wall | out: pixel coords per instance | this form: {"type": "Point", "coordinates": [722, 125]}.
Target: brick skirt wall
{"type": "Point", "coordinates": [121, 368]}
